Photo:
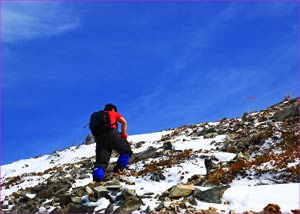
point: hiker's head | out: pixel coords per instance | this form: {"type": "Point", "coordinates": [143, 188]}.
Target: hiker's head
{"type": "Point", "coordinates": [110, 107]}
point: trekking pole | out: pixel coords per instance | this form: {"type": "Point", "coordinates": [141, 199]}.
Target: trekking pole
{"type": "Point", "coordinates": [86, 125]}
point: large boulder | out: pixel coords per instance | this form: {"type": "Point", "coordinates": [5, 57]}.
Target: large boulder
{"type": "Point", "coordinates": [150, 152]}
{"type": "Point", "coordinates": [181, 190]}
{"type": "Point", "coordinates": [213, 195]}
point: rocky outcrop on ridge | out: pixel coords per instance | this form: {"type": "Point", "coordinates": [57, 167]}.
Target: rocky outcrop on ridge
{"type": "Point", "coordinates": [265, 144]}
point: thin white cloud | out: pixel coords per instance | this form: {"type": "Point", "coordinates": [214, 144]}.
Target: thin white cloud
{"type": "Point", "coordinates": [191, 91]}
{"type": "Point", "coordinates": [28, 20]}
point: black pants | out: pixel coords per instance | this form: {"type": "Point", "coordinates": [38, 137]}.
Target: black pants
{"type": "Point", "coordinates": [105, 143]}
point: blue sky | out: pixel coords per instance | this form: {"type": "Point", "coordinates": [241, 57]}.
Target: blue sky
{"type": "Point", "coordinates": [163, 64]}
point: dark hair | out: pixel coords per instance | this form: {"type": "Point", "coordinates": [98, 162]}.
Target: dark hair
{"type": "Point", "coordinates": [109, 107]}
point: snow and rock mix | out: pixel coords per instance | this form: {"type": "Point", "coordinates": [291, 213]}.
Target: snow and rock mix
{"type": "Point", "coordinates": [247, 164]}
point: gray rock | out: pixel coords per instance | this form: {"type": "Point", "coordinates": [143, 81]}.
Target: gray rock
{"type": "Point", "coordinates": [22, 208]}
{"type": "Point", "coordinates": [131, 204]}
{"type": "Point", "coordinates": [84, 176]}
{"type": "Point", "coordinates": [213, 195]}
{"type": "Point", "coordinates": [37, 188]}
{"type": "Point", "coordinates": [230, 137]}
{"type": "Point", "coordinates": [139, 144]}
{"type": "Point", "coordinates": [206, 131]}
{"type": "Point", "coordinates": [193, 201]}
{"type": "Point", "coordinates": [113, 185]}
{"type": "Point", "coordinates": [211, 135]}
{"type": "Point", "coordinates": [209, 165]}
{"type": "Point", "coordinates": [181, 190]}
{"type": "Point", "coordinates": [79, 192]}
{"type": "Point", "coordinates": [167, 145]}
{"type": "Point", "coordinates": [100, 191]}
{"type": "Point", "coordinates": [126, 193]}
{"type": "Point", "coordinates": [64, 199]}
{"type": "Point", "coordinates": [44, 194]}
{"type": "Point", "coordinates": [243, 156]}
{"type": "Point", "coordinates": [157, 176]}
{"type": "Point", "coordinates": [150, 152]}
{"type": "Point", "coordinates": [147, 210]}
{"type": "Point", "coordinates": [76, 200]}
{"type": "Point", "coordinates": [110, 208]}
{"type": "Point", "coordinates": [78, 208]}
{"type": "Point", "coordinates": [89, 191]}
{"type": "Point", "coordinates": [160, 206]}
{"type": "Point", "coordinates": [149, 193]}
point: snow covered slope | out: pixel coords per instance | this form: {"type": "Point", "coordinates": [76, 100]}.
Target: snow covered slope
{"type": "Point", "coordinates": [240, 164]}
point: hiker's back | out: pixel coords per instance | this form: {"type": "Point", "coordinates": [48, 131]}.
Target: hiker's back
{"type": "Point", "coordinates": [99, 122]}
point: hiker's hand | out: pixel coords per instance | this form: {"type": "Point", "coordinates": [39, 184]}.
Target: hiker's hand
{"type": "Point", "coordinates": [124, 135]}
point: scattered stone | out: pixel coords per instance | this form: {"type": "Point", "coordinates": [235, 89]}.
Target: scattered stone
{"type": "Point", "coordinates": [130, 205]}
{"type": "Point", "coordinates": [139, 144]}
{"type": "Point", "coordinates": [296, 211]}
{"type": "Point", "coordinates": [147, 209]}
{"type": "Point", "coordinates": [243, 156]}
{"type": "Point", "coordinates": [206, 131]}
{"type": "Point", "coordinates": [148, 193]}
{"type": "Point", "coordinates": [37, 188]}
{"type": "Point", "coordinates": [77, 208]}
{"type": "Point", "coordinates": [30, 196]}
{"type": "Point", "coordinates": [150, 152]}
{"type": "Point", "coordinates": [182, 205]}
{"type": "Point", "coordinates": [250, 212]}
{"type": "Point", "coordinates": [110, 208]}
{"type": "Point", "coordinates": [44, 194]}
{"type": "Point", "coordinates": [181, 190]}
{"type": "Point", "coordinates": [213, 195]}
{"type": "Point", "coordinates": [112, 185]}
{"type": "Point", "coordinates": [64, 199]}
{"type": "Point", "coordinates": [79, 192]}
{"type": "Point", "coordinates": [197, 179]}
{"type": "Point", "coordinates": [89, 191]}
{"type": "Point", "coordinates": [84, 176]}
{"type": "Point", "coordinates": [193, 201]}
{"type": "Point", "coordinates": [209, 165]}
{"type": "Point", "coordinates": [165, 137]}
{"type": "Point", "coordinates": [100, 191]}
{"type": "Point", "coordinates": [16, 194]}
{"type": "Point", "coordinates": [211, 210]}
{"type": "Point", "coordinates": [272, 208]}
{"type": "Point", "coordinates": [157, 176]}
{"type": "Point", "coordinates": [167, 145]}
{"type": "Point", "coordinates": [211, 135]}
{"type": "Point", "coordinates": [76, 200]}
{"type": "Point", "coordinates": [160, 206]}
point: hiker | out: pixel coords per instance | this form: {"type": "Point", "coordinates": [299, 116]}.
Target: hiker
{"type": "Point", "coordinates": [111, 139]}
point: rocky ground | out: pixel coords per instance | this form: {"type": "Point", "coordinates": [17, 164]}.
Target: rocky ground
{"type": "Point", "coordinates": [265, 144]}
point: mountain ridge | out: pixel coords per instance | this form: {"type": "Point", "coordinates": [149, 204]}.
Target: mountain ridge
{"type": "Point", "coordinates": [195, 166]}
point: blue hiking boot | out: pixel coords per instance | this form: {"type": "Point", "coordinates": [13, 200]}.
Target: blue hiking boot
{"type": "Point", "coordinates": [98, 174]}
{"type": "Point", "coordinates": [122, 162]}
